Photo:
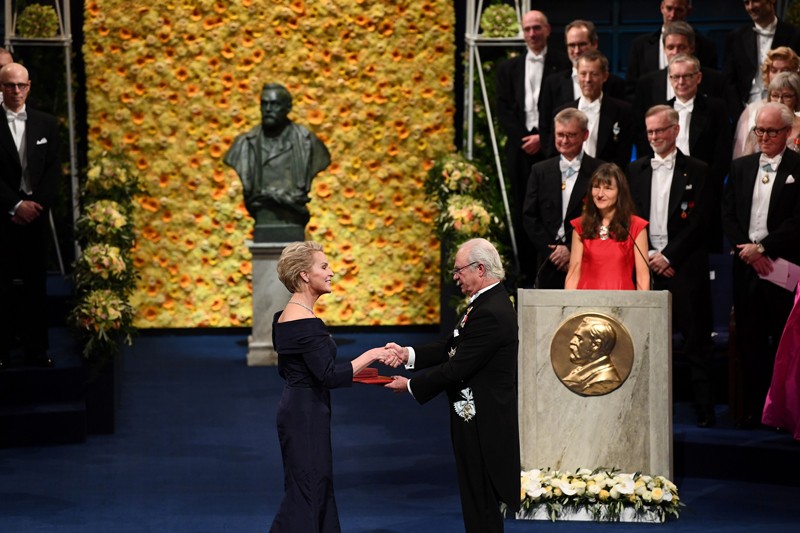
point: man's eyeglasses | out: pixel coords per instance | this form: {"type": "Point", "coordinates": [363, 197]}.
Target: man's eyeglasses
{"type": "Point", "coordinates": [12, 86]}
{"type": "Point", "coordinates": [457, 271]}
{"type": "Point", "coordinates": [678, 77]}
{"type": "Point", "coordinates": [567, 135]}
{"type": "Point", "coordinates": [659, 131]}
{"type": "Point", "coordinates": [760, 132]}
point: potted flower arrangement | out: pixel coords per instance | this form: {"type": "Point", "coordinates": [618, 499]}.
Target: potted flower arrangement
{"type": "Point", "coordinates": [104, 275]}
{"type": "Point", "coordinates": [602, 495]}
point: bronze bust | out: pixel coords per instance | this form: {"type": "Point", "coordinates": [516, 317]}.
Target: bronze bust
{"type": "Point", "coordinates": [276, 162]}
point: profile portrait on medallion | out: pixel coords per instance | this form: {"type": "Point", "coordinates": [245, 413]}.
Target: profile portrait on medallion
{"type": "Point", "coordinates": [592, 354]}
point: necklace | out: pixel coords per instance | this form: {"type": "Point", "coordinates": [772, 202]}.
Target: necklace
{"type": "Point", "coordinates": [304, 306]}
{"type": "Point", "coordinates": [603, 233]}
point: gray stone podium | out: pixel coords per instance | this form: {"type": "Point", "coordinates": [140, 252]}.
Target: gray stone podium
{"type": "Point", "coordinates": [269, 297]}
{"type": "Point", "coordinates": [629, 428]}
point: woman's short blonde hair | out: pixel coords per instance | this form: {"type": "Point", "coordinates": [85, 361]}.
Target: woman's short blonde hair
{"type": "Point", "coordinates": [782, 52]}
{"type": "Point", "coordinates": [296, 258]}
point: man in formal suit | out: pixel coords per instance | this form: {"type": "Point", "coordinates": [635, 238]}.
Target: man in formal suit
{"type": "Point", "coordinates": [610, 128]}
{"type": "Point", "coordinates": [556, 190]}
{"type": "Point", "coordinates": [5, 59]}
{"type": "Point", "coordinates": [647, 50]}
{"type": "Point", "coordinates": [705, 133]}
{"type": "Point", "coordinates": [656, 88]}
{"type": "Point", "coordinates": [29, 158]}
{"type": "Point", "coordinates": [519, 82]}
{"type": "Point", "coordinates": [563, 87]}
{"type": "Point", "coordinates": [761, 218]}
{"type": "Point", "coordinates": [671, 191]}
{"type": "Point", "coordinates": [477, 367]}
{"type": "Point", "coordinates": [745, 50]}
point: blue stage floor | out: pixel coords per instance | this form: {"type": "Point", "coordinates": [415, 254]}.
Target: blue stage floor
{"type": "Point", "coordinates": [196, 451]}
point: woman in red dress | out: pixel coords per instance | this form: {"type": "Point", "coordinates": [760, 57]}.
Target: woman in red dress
{"type": "Point", "coordinates": [603, 255]}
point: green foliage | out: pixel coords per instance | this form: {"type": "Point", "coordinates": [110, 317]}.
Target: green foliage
{"type": "Point", "coordinates": [37, 21]}
{"type": "Point", "coordinates": [104, 274]}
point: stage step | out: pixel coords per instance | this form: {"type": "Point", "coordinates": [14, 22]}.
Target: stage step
{"type": "Point", "coordinates": [43, 424]}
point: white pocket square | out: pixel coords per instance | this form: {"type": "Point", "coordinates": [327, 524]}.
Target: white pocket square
{"type": "Point", "coordinates": [43, 140]}
{"type": "Point", "coordinates": [790, 179]}
{"type": "Point", "coordinates": [689, 186]}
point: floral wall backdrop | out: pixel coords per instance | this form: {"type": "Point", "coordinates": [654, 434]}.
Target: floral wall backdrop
{"type": "Point", "coordinates": [171, 83]}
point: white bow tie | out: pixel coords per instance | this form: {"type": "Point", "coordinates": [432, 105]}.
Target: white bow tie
{"type": "Point", "coordinates": [587, 107]}
{"type": "Point", "coordinates": [764, 32]}
{"type": "Point", "coordinates": [769, 164]}
{"type": "Point", "coordinates": [570, 167]}
{"type": "Point", "coordinates": [535, 59]}
{"type": "Point", "coordinates": [11, 116]}
{"type": "Point", "coordinates": [680, 106]}
{"type": "Point", "coordinates": [667, 163]}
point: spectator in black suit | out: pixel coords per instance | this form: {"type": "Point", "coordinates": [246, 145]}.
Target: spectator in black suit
{"type": "Point", "coordinates": [655, 88]}
{"type": "Point", "coordinates": [610, 129]}
{"type": "Point", "coordinates": [556, 191]}
{"type": "Point", "coordinates": [30, 163]}
{"type": "Point", "coordinates": [671, 191]}
{"type": "Point", "coordinates": [705, 133]}
{"type": "Point", "coordinates": [519, 82]}
{"type": "Point", "coordinates": [746, 49]}
{"type": "Point", "coordinates": [761, 218]}
{"type": "Point", "coordinates": [647, 51]}
{"type": "Point", "coordinates": [563, 87]}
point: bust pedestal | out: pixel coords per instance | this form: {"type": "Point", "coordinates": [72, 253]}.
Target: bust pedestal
{"type": "Point", "coordinates": [269, 297]}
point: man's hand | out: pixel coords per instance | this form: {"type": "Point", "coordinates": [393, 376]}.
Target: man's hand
{"type": "Point", "coordinates": [531, 144]}
{"type": "Point", "coordinates": [659, 264]}
{"type": "Point", "coordinates": [559, 256]}
{"type": "Point", "coordinates": [27, 212]}
{"type": "Point", "coordinates": [398, 385]}
{"type": "Point", "coordinates": [749, 254]}
{"type": "Point", "coordinates": [399, 355]}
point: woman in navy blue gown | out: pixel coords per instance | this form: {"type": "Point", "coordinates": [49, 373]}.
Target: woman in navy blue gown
{"type": "Point", "coordinates": [306, 361]}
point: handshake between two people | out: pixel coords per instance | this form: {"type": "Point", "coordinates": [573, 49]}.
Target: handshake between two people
{"type": "Point", "coordinates": [392, 355]}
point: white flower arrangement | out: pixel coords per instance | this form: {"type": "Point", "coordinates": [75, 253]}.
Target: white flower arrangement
{"type": "Point", "coordinates": [604, 492]}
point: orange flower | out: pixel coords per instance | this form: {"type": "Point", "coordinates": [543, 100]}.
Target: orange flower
{"type": "Point", "coordinates": [125, 34]}
{"type": "Point", "coordinates": [150, 314]}
{"type": "Point", "coordinates": [348, 192]}
{"type": "Point", "coordinates": [142, 163]}
{"type": "Point", "coordinates": [322, 189]}
{"type": "Point", "coordinates": [315, 116]}
{"type": "Point", "coordinates": [216, 151]}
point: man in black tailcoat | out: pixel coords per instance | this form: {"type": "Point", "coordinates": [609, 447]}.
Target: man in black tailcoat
{"type": "Point", "coordinates": [555, 195]}
{"type": "Point", "coordinates": [672, 192]}
{"type": "Point", "coordinates": [29, 159]}
{"type": "Point", "coordinates": [610, 127]}
{"type": "Point", "coordinates": [564, 87]}
{"type": "Point", "coordinates": [705, 134]}
{"type": "Point", "coordinates": [519, 82]}
{"type": "Point", "coordinates": [745, 50]}
{"type": "Point", "coordinates": [477, 367]}
{"type": "Point", "coordinates": [761, 218]}
{"type": "Point", "coordinates": [647, 51]}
